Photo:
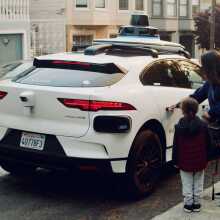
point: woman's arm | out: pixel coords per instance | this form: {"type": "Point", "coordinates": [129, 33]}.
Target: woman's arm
{"type": "Point", "coordinates": [201, 94]}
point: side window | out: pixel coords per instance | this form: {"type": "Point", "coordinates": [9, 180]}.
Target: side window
{"type": "Point", "coordinates": [162, 73]}
{"type": "Point", "coordinates": [192, 72]}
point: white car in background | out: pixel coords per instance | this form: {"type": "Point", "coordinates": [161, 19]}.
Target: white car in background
{"type": "Point", "coordinates": [104, 109]}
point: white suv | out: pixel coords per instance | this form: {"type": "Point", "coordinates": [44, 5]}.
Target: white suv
{"type": "Point", "coordinates": [104, 109]}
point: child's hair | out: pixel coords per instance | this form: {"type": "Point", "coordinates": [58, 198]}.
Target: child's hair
{"type": "Point", "coordinates": [190, 106]}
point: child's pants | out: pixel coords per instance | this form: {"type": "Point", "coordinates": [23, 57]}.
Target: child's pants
{"type": "Point", "coordinates": [192, 185]}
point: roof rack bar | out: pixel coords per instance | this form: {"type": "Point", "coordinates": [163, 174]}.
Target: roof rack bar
{"type": "Point", "coordinates": [96, 49]}
{"type": "Point", "coordinates": [154, 51]}
{"type": "Point", "coordinates": [144, 50]}
{"type": "Point", "coordinates": [180, 52]}
{"type": "Point", "coordinates": [76, 48]}
{"type": "Point", "coordinates": [153, 44]}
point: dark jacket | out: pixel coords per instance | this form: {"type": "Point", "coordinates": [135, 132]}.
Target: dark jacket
{"type": "Point", "coordinates": [212, 92]}
{"type": "Point", "coordinates": [191, 143]}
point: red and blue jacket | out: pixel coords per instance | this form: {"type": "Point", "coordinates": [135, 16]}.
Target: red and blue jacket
{"type": "Point", "coordinates": [191, 145]}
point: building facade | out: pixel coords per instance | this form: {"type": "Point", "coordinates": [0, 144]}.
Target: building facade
{"type": "Point", "coordinates": [14, 30]}
{"type": "Point", "coordinates": [48, 26]}
{"type": "Point", "coordinates": [88, 19]}
{"type": "Point", "coordinates": [35, 27]}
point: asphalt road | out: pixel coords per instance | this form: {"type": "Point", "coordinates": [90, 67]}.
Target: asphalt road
{"type": "Point", "coordinates": [55, 196]}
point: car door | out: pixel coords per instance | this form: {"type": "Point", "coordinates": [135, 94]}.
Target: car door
{"type": "Point", "coordinates": [168, 85]}
{"type": "Point", "coordinates": [187, 79]}
{"type": "Point", "coordinates": [171, 81]}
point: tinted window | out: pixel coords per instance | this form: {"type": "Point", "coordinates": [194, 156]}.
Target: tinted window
{"type": "Point", "coordinates": [69, 78]}
{"type": "Point", "coordinates": [127, 31]}
{"type": "Point", "coordinates": [192, 72]}
{"type": "Point", "coordinates": [11, 70]}
{"type": "Point", "coordinates": [162, 73]}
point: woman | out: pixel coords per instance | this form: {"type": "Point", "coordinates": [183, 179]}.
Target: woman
{"type": "Point", "coordinates": [211, 89]}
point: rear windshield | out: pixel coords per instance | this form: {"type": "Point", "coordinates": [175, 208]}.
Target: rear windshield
{"type": "Point", "coordinates": [72, 74]}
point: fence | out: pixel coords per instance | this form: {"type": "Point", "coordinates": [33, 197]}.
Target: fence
{"type": "Point", "coordinates": [14, 10]}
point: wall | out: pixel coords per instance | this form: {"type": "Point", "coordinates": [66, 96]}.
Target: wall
{"type": "Point", "coordinates": [48, 31]}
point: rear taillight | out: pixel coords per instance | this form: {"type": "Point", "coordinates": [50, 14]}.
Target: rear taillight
{"type": "Point", "coordinates": [92, 105]}
{"type": "Point", "coordinates": [2, 94]}
{"type": "Point", "coordinates": [76, 103]}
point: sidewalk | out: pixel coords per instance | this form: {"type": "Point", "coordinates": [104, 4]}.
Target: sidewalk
{"type": "Point", "coordinates": [210, 209]}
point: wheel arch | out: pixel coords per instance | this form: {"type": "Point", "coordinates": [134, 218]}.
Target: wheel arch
{"type": "Point", "coordinates": [156, 127]}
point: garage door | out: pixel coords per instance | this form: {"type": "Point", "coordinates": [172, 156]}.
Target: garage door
{"type": "Point", "coordinates": [10, 47]}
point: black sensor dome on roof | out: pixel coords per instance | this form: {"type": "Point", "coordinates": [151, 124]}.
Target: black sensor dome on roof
{"type": "Point", "coordinates": [139, 20]}
{"type": "Point", "coordinates": [139, 27]}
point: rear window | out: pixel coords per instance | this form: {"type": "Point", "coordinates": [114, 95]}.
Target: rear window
{"type": "Point", "coordinates": [72, 74]}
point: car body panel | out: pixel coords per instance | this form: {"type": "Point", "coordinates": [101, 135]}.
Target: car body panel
{"type": "Point", "coordinates": [73, 128]}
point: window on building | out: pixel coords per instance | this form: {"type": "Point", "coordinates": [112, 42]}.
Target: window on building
{"type": "Point", "coordinates": [123, 5]}
{"type": "Point", "coordinates": [171, 8]}
{"type": "Point", "coordinates": [183, 8]}
{"type": "Point", "coordinates": [100, 4]}
{"type": "Point", "coordinates": [113, 35]}
{"type": "Point", "coordinates": [81, 3]}
{"type": "Point", "coordinates": [195, 6]}
{"type": "Point", "coordinates": [157, 8]}
{"type": "Point", "coordinates": [82, 40]}
{"type": "Point", "coordinates": [165, 36]}
{"type": "Point", "coordinates": [139, 5]}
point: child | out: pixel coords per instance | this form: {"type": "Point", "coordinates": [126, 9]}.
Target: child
{"type": "Point", "coordinates": [190, 149]}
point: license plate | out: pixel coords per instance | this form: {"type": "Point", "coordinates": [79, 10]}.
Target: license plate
{"type": "Point", "coordinates": [32, 141]}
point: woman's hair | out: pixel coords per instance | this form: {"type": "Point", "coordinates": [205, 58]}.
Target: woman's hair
{"type": "Point", "coordinates": [211, 66]}
{"type": "Point", "coordinates": [189, 106]}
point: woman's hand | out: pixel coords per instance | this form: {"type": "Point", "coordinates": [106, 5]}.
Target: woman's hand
{"type": "Point", "coordinates": [172, 107]}
{"type": "Point", "coordinates": [206, 117]}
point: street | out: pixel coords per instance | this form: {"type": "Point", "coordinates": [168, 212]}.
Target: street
{"type": "Point", "coordinates": [49, 195]}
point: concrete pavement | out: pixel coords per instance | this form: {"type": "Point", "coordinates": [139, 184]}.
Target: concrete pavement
{"type": "Point", "coordinates": [210, 209]}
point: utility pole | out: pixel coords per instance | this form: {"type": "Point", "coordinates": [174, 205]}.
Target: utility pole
{"type": "Point", "coordinates": [212, 26]}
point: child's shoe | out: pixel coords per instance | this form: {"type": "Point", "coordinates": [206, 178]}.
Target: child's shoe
{"type": "Point", "coordinates": [196, 207]}
{"type": "Point", "coordinates": [188, 208]}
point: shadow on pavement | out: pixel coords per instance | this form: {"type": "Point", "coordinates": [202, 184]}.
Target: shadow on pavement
{"type": "Point", "coordinates": [56, 195]}
{"type": "Point", "coordinates": [77, 185]}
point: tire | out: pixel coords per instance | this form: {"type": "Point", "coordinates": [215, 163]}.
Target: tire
{"type": "Point", "coordinates": [18, 169]}
{"type": "Point", "coordinates": [144, 164]}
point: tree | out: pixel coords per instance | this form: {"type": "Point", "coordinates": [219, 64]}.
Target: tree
{"type": "Point", "coordinates": [202, 25]}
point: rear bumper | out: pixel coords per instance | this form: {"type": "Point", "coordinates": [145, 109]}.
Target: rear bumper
{"type": "Point", "coordinates": [59, 153]}
{"type": "Point", "coordinates": [38, 159]}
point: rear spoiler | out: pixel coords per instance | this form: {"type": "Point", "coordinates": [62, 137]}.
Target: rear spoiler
{"type": "Point", "coordinates": [109, 68]}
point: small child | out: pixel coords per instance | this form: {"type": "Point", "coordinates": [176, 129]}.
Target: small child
{"type": "Point", "coordinates": [190, 149]}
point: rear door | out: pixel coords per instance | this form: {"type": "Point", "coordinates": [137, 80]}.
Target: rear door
{"type": "Point", "coordinates": [169, 86]}
{"type": "Point", "coordinates": [172, 81]}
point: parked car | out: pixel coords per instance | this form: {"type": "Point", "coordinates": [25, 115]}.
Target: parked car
{"type": "Point", "coordinates": [104, 109]}
{"type": "Point", "coordinates": [10, 70]}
